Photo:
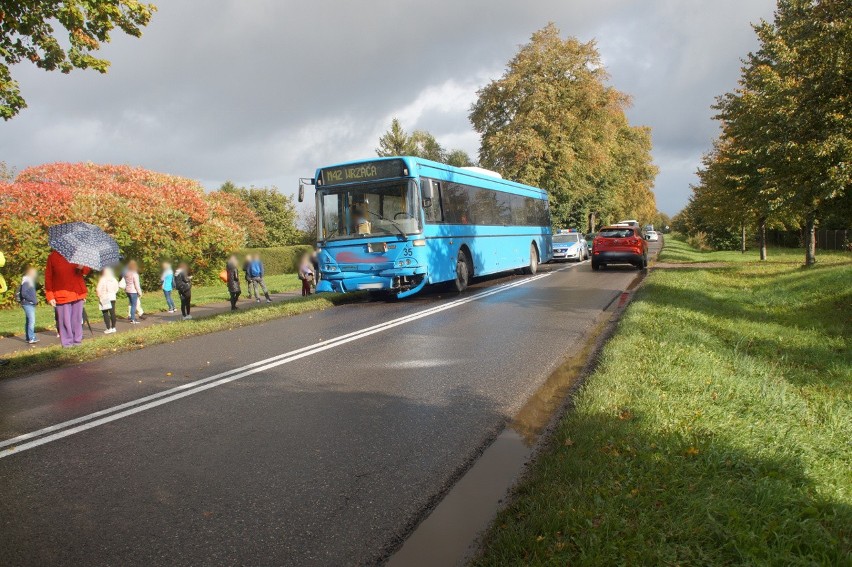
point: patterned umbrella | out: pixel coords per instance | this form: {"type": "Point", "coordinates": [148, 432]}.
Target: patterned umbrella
{"type": "Point", "coordinates": [85, 244]}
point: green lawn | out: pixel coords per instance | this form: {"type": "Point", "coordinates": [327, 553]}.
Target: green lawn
{"type": "Point", "coordinates": [717, 429]}
{"type": "Point", "coordinates": [12, 320]}
{"type": "Point", "coordinates": [678, 251]}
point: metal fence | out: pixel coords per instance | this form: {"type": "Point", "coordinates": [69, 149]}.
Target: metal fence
{"type": "Point", "coordinates": [825, 239]}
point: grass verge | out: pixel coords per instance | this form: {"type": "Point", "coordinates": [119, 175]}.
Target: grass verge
{"type": "Point", "coordinates": [12, 320]}
{"type": "Point", "coordinates": [715, 431]}
{"type": "Point", "coordinates": [27, 362]}
{"type": "Point", "coordinates": [678, 251]}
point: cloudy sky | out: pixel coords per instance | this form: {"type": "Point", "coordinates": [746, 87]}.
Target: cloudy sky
{"type": "Point", "coordinates": [264, 91]}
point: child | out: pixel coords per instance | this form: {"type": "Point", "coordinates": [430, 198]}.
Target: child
{"type": "Point", "coordinates": [167, 279]}
{"type": "Point", "coordinates": [28, 300]}
{"type": "Point", "coordinates": [107, 291]}
{"type": "Point", "coordinates": [133, 289]}
{"type": "Point", "coordinates": [183, 285]}
{"type": "Point", "coordinates": [306, 274]}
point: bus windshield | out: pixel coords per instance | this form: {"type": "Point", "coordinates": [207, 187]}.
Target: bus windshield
{"type": "Point", "coordinates": [369, 209]}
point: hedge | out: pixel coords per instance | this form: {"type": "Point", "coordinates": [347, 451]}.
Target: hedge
{"type": "Point", "coordinates": [278, 259]}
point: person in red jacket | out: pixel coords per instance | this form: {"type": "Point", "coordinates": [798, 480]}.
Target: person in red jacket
{"type": "Point", "coordinates": [65, 289]}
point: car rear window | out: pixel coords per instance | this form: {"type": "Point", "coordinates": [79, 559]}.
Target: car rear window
{"type": "Point", "coordinates": [616, 233]}
{"type": "Point", "coordinates": [566, 238]}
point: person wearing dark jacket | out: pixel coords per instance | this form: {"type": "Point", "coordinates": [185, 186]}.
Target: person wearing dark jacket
{"type": "Point", "coordinates": [28, 300]}
{"type": "Point", "coordinates": [183, 285]}
{"type": "Point", "coordinates": [233, 270]}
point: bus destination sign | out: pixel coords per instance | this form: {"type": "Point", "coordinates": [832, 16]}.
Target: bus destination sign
{"type": "Point", "coordinates": [365, 171]}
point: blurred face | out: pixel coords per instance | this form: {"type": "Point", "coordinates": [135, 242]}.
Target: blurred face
{"type": "Point", "coordinates": [132, 265]}
{"type": "Point", "coordinates": [107, 273]}
{"type": "Point", "coordinates": [31, 273]}
{"type": "Point", "coordinates": [183, 267]}
{"type": "Point", "coordinates": [166, 266]}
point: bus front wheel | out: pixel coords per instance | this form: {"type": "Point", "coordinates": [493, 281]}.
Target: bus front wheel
{"type": "Point", "coordinates": [462, 272]}
{"type": "Point", "coordinates": [533, 267]}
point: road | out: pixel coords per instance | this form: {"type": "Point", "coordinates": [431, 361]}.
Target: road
{"type": "Point", "coordinates": [320, 439]}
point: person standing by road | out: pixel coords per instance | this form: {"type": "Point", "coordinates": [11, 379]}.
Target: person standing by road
{"type": "Point", "coordinates": [65, 289]}
{"type": "Point", "coordinates": [306, 274]}
{"type": "Point", "coordinates": [183, 285]}
{"type": "Point", "coordinates": [28, 299]}
{"type": "Point", "coordinates": [256, 275]}
{"type": "Point", "coordinates": [133, 288]}
{"type": "Point", "coordinates": [107, 291]}
{"type": "Point", "coordinates": [3, 288]}
{"type": "Point", "coordinates": [246, 267]}
{"type": "Point", "coordinates": [315, 265]}
{"type": "Point", "coordinates": [233, 280]}
{"type": "Point", "coordinates": [167, 279]}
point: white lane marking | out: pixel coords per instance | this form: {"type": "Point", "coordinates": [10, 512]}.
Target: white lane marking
{"type": "Point", "coordinates": [89, 421]}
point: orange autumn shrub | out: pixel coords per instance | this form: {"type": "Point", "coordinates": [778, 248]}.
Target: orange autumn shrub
{"type": "Point", "coordinates": [153, 216]}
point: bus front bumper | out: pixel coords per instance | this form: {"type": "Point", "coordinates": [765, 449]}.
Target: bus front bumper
{"type": "Point", "coordinates": [402, 282]}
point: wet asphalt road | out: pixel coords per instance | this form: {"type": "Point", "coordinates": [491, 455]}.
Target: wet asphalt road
{"type": "Point", "coordinates": [327, 459]}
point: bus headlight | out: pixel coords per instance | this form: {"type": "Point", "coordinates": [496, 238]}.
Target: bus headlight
{"type": "Point", "coordinates": [330, 268]}
{"type": "Point", "coordinates": [408, 261]}
{"type": "Point", "coordinates": [419, 242]}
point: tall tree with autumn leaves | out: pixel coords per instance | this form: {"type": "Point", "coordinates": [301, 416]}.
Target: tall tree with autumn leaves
{"type": "Point", "coordinates": [552, 121]}
{"type": "Point", "coordinates": [28, 32]}
{"type": "Point", "coordinates": [785, 147]}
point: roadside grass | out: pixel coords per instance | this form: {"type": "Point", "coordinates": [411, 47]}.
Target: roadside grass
{"type": "Point", "coordinates": [678, 251]}
{"type": "Point", "coordinates": [29, 361]}
{"type": "Point", "coordinates": [716, 430]}
{"type": "Point", "coordinates": [153, 301]}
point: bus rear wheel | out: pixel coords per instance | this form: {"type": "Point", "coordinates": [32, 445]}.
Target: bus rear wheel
{"type": "Point", "coordinates": [533, 267]}
{"type": "Point", "coordinates": [462, 272]}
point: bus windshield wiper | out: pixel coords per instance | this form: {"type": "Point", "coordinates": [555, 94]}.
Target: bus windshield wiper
{"type": "Point", "coordinates": [393, 222]}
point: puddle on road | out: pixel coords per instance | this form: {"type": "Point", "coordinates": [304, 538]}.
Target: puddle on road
{"type": "Point", "coordinates": [448, 536]}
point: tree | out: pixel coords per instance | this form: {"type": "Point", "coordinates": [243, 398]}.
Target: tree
{"type": "Point", "coordinates": [552, 121]}
{"type": "Point", "coordinates": [395, 142]}
{"type": "Point", "coordinates": [420, 143]}
{"type": "Point", "coordinates": [152, 216]}
{"type": "Point", "coordinates": [27, 32]}
{"type": "Point", "coordinates": [790, 120]}
{"type": "Point", "coordinates": [308, 225]}
{"type": "Point", "coordinates": [458, 158]}
{"type": "Point", "coordinates": [275, 210]}
{"type": "Point", "coordinates": [426, 146]}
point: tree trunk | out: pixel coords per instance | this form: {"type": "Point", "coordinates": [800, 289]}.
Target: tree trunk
{"type": "Point", "coordinates": [743, 239]}
{"type": "Point", "coordinates": [810, 241]}
{"type": "Point", "coordinates": [591, 223]}
{"type": "Point", "coordinates": [762, 232]}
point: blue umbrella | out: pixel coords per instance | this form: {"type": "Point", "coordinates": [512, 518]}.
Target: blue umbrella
{"type": "Point", "coordinates": [84, 244]}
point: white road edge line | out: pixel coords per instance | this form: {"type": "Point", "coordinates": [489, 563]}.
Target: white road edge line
{"type": "Point", "coordinates": [120, 411]}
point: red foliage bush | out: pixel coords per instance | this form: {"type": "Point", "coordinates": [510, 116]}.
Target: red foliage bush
{"type": "Point", "coordinates": [152, 216]}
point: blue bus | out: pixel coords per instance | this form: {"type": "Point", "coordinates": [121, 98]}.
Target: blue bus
{"type": "Point", "coordinates": [398, 224]}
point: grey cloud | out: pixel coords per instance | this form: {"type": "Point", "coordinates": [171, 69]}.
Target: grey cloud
{"type": "Point", "coordinates": [265, 91]}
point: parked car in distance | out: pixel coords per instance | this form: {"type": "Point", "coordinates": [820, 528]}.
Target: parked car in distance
{"type": "Point", "coordinates": [632, 222]}
{"type": "Point", "coordinates": [652, 236]}
{"type": "Point", "coordinates": [570, 245]}
{"type": "Point", "coordinates": [619, 244]}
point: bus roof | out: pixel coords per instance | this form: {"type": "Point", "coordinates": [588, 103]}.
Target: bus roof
{"type": "Point", "coordinates": [415, 166]}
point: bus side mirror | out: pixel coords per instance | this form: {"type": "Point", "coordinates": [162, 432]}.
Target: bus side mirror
{"type": "Point", "coordinates": [428, 192]}
{"type": "Point", "coordinates": [301, 192]}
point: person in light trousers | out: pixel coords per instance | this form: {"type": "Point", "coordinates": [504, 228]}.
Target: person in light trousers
{"type": "Point", "coordinates": [28, 299]}
{"type": "Point", "coordinates": [167, 279]}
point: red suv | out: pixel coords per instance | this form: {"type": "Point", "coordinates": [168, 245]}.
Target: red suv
{"type": "Point", "coordinates": [619, 244]}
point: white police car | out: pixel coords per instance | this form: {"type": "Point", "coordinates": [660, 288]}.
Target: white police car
{"type": "Point", "coordinates": [570, 245]}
